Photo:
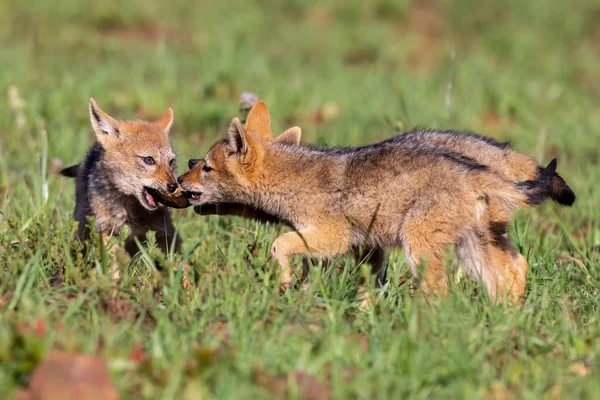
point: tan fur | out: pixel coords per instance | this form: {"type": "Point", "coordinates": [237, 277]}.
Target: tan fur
{"type": "Point", "coordinates": [131, 162]}
{"type": "Point", "coordinates": [505, 161]}
{"type": "Point", "coordinates": [496, 264]}
{"type": "Point", "coordinates": [384, 195]}
{"type": "Point", "coordinates": [259, 121]}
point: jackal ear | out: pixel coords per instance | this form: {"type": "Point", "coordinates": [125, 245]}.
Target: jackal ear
{"type": "Point", "coordinates": [290, 136]}
{"type": "Point", "coordinates": [165, 121]}
{"type": "Point", "coordinates": [237, 137]}
{"type": "Point", "coordinates": [259, 120]}
{"type": "Point", "coordinates": [102, 123]}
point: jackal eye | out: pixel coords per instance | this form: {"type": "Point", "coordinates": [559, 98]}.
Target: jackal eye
{"type": "Point", "coordinates": [206, 167]}
{"type": "Point", "coordinates": [173, 164]}
{"type": "Point", "coordinates": [149, 160]}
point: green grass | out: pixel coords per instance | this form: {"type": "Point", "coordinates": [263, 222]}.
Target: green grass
{"type": "Point", "coordinates": [520, 71]}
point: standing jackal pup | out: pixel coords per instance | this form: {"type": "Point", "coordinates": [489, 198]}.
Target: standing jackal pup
{"type": "Point", "coordinates": [394, 193]}
{"type": "Point", "coordinates": [127, 177]}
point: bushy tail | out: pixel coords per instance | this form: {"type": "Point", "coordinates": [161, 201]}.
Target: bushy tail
{"type": "Point", "coordinates": [509, 196]}
{"type": "Point", "coordinates": [541, 189]}
{"type": "Point", "coordinates": [70, 172]}
{"type": "Point", "coordinates": [561, 192]}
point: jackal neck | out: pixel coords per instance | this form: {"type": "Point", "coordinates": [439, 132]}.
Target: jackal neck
{"type": "Point", "coordinates": [291, 181]}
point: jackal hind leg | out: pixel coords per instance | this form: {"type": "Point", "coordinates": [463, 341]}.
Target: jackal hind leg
{"type": "Point", "coordinates": [424, 242]}
{"type": "Point", "coordinates": [325, 242]}
{"type": "Point", "coordinates": [490, 258]}
{"type": "Point", "coordinates": [512, 268]}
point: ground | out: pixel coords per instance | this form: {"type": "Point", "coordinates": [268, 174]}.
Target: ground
{"type": "Point", "coordinates": [349, 73]}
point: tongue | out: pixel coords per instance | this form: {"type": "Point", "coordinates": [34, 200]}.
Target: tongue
{"type": "Point", "coordinates": [149, 198]}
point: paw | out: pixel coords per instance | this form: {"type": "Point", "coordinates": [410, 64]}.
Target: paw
{"type": "Point", "coordinates": [284, 285]}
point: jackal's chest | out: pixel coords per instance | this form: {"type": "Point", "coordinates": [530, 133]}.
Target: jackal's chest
{"type": "Point", "coordinates": [111, 214]}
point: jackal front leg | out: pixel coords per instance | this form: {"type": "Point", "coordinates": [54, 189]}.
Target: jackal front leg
{"type": "Point", "coordinates": [112, 251]}
{"type": "Point", "coordinates": [315, 242]}
{"type": "Point", "coordinates": [166, 239]}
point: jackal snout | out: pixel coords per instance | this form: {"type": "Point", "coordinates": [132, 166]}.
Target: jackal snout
{"type": "Point", "coordinates": [191, 181]}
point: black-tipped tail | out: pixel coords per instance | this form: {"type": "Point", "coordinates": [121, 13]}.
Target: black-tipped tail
{"type": "Point", "coordinates": [561, 192]}
{"type": "Point", "coordinates": [70, 172]}
{"type": "Point", "coordinates": [539, 190]}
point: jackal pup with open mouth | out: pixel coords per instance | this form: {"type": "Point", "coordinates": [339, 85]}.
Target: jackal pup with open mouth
{"type": "Point", "coordinates": [127, 178]}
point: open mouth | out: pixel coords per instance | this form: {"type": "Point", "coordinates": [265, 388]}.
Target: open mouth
{"type": "Point", "coordinates": [151, 197]}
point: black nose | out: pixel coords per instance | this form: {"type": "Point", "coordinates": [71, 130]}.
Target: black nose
{"type": "Point", "coordinates": [180, 180]}
{"type": "Point", "coordinates": [171, 187]}
{"type": "Point", "coordinates": [192, 162]}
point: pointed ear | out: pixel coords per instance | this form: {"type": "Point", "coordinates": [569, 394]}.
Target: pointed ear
{"type": "Point", "coordinates": [290, 136]}
{"type": "Point", "coordinates": [259, 121]}
{"type": "Point", "coordinates": [165, 121]}
{"type": "Point", "coordinates": [104, 125]}
{"type": "Point", "coordinates": [237, 137]}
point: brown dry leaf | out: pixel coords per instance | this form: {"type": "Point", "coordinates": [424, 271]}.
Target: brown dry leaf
{"type": "Point", "coordinates": [358, 57]}
{"type": "Point", "coordinates": [120, 309]}
{"type": "Point", "coordinates": [348, 373]}
{"type": "Point", "coordinates": [142, 33]}
{"type": "Point", "coordinates": [307, 386]}
{"type": "Point", "coordinates": [427, 25]}
{"type": "Point", "coordinates": [550, 228]}
{"type": "Point", "coordinates": [580, 233]}
{"type": "Point", "coordinates": [596, 38]}
{"type": "Point", "coordinates": [219, 330]}
{"type": "Point", "coordinates": [492, 120]}
{"type": "Point", "coordinates": [572, 259]}
{"type": "Point", "coordinates": [320, 16]}
{"type": "Point", "coordinates": [326, 112]}
{"type": "Point", "coordinates": [147, 33]}
{"type": "Point", "coordinates": [498, 391]}
{"type": "Point", "coordinates": [361, 340]}
{"type": "Point", "coordinates": [74, 376]}
{"type": "Point", "coordinates": [580, 368]}
{"type": "Point", "coordinates": [5, 299]}
{"type": "Point", "coordinates": [555, 392]}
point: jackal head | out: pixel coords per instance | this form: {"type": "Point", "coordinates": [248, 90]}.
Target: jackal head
{"type": "Point", "coordinates": [138, 158]}
{"type": "Point", "coordinates": [234, 164]}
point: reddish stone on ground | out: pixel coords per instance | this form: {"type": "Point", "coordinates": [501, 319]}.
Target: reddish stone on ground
{"type": "Point", "coordinates": [70, 376]}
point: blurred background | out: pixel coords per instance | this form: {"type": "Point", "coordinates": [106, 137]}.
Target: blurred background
{"type": "Point", "coordinates": [346, 71]}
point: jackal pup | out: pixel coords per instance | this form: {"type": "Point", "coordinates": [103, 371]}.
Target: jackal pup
{"type": "Point", "coordinates": [397, 192]}
{"type": "Point", "coordinates": [126, 178]}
